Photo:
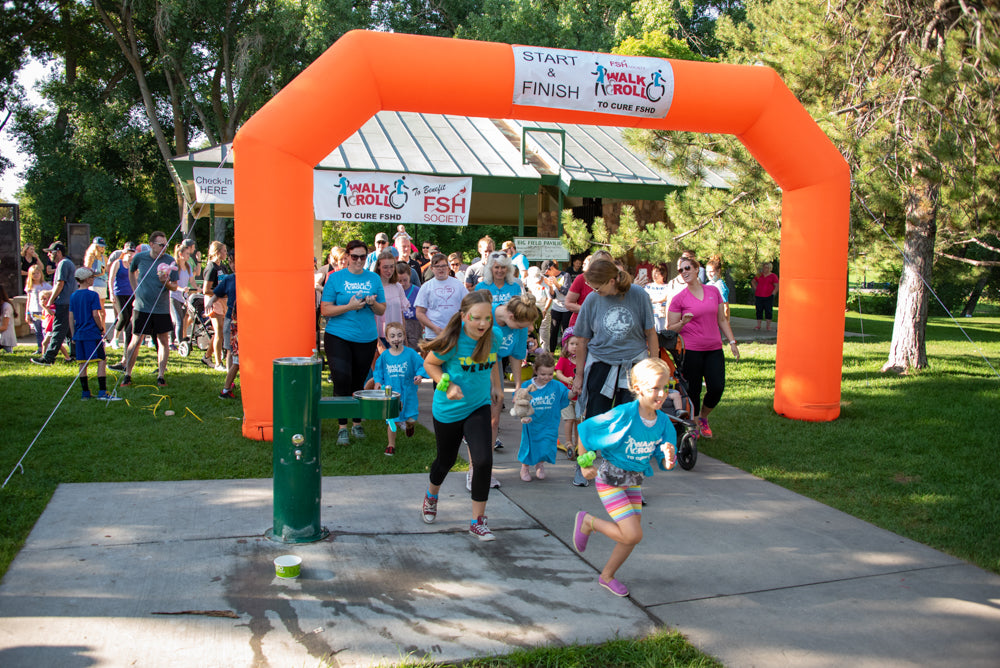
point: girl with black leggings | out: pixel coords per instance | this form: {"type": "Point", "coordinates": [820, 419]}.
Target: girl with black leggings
{"type": "Point", "coordinates": [467, 351]}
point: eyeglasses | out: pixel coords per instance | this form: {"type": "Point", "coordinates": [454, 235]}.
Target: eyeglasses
{"type": "Point", "coordinates": [688, 268]}
{"type": "Point", "coordinates": [427, 247]}
{"type": "Point", "coordinates": [439, 266]}
{"type": "Point", "coordinates": [161, 245]}
{"type": "Point", "coordinates": [355, 256]}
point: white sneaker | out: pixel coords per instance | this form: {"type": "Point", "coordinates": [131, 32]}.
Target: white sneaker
{"type": "Point", "coordinates": [494, 483]}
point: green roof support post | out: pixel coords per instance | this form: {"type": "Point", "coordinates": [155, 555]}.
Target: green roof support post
{"type": "Point", "coordinates": [562, 161]}
{"type": "Point", "coordinates": [296, 451]}
{"type": "Point", "coordinates": [559, 229]}
{"type": "Point", "coordinates": [520, 215]}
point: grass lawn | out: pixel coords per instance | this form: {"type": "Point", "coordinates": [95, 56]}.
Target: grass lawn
{"type": "Point", "coordinates": [910, 454]}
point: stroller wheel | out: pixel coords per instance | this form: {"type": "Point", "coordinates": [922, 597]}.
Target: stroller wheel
{"type": "Point", "coordinates": [687, 452]}
{"type": "Point", "coordinates": [184, 348]}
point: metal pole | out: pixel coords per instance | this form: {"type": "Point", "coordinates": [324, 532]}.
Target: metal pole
{"type": "Point", "coordinates": [296, 451]}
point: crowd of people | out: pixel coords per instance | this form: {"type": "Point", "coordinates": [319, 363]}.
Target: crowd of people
{"type": "Point", "coordinates": [579, 345]}
{"type": "Point", "coordinates": [472, 329]}
{"type": "Point", "coordinates": [154, 297]}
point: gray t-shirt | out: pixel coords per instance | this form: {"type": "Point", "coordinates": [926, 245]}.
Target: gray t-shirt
{"type": "Point", "coordinates": [616, 326]}
{"type": "Point", "coordinates": [65, 271]}
{"type": "Point", "coordinates": [151, 296]}
{"type": "Point", "coordinates": [474, 273]}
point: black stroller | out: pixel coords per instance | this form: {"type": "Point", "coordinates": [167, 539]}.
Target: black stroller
{"type": "Point", "coordinates": [201, 328]}
{"type": "Point", "coordinates": [672, 352]}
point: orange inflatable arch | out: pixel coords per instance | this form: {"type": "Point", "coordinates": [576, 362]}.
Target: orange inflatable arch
{"type": "Point", "coordinates": [365, 72]}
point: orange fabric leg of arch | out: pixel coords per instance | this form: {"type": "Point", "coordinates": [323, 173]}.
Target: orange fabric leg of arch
{"type": "Point", "coordinates": [365, 72]}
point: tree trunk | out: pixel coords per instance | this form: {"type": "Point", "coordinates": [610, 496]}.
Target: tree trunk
{"type": "Point", "coordinates": [908, 349]}
{"type": "Point", "coordinates": [973, 300]}
{"type": "Point", "coordinates": [977, 292]}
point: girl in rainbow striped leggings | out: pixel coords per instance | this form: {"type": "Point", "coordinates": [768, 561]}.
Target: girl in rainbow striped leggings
{"type": "Point", "coordinates": [629, 437]}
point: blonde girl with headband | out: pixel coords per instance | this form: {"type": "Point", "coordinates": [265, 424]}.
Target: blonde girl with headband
{"type": "Point", "coordinates": [629, 437]}
{"type": "Point", "coordinates": [463, 361]}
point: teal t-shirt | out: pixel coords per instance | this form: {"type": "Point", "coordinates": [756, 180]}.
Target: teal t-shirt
{"type": "Point", "coordinates": [623, 438]}
{"type": "Point", "coordinates": [513, 342]}
{"type": "Point", "coordinates": [474, 378]}
{"type": "Point", "coordinates": [501, 293]}
{"type": "Point", "coordinates": [357, 326]}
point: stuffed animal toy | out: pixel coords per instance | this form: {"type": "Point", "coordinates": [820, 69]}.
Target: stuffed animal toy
{"type": "Point", "coordinates": [522, 405]}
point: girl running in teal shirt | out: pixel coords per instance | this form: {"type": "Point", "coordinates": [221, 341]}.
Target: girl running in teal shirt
{"type": "Point", "coordinates": [467, 352]}
{"type": "Point", "coordinates": [629, 437]}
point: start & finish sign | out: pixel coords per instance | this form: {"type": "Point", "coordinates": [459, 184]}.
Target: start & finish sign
{"type": "Point", "coordinates": [584, 81]}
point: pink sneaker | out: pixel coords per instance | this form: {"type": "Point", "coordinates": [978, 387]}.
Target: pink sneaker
{"type": "Point", "coordinates": [706, 431]}
{"type": "Point", "coordinates": [429, 510]}
{"type": "Point", "coordinates": [613, 586]}
{"type": "Point", "coordinates": [480, 530]}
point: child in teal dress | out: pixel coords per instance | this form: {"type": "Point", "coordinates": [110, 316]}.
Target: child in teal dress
{"type": "Point", "coordinates": [401, 368]}
{"type": "Point", "coordinates": [540, 431]}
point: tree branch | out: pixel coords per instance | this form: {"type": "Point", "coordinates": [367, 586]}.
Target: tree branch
{"type": "Point", "coordinates": [709, 217]}
{"type": "Point", "coordinates": [965, 260]}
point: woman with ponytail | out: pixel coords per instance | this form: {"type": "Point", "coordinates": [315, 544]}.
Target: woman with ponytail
{"type": "Point", "coordinates": [615, 331]}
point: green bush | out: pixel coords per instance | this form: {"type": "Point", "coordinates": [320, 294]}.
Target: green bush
{"type": "Point", "coordinates": [872, 303]}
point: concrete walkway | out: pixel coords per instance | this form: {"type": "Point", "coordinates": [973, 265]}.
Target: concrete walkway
{"type": "Point", "coordinates": [750, 572]}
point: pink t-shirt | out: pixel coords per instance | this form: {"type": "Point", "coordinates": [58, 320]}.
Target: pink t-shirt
{"type": "Point", "coordinates": [765, 285]}
{"type": "Point", "coordinates": [702, 333]}
{"type": "Point", "coordinates": [580, 287]}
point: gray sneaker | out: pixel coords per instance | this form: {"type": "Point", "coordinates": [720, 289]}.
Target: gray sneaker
{"type": "Point", "coordinates": [357, 431]}
{"type": "Point", "coordinates": [343, 438]}
{"type": "Point", "coordinates": [578, 478]}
